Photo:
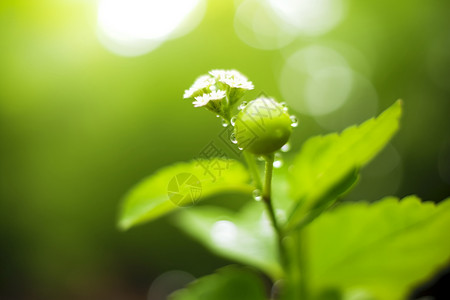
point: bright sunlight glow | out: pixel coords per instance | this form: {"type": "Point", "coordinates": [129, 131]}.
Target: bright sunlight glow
{"type": "Point", "coordinates": [138, 26]}
{"type": "Point", "coordinates": [310, 17]}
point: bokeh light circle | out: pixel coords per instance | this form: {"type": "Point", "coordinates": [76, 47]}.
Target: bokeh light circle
{"type": "Point", "coordinates": [256, 25]}
{"type": "Point", "coordinates": [361, 104]}
{"type": "Point", "coordinates": [315, 80]}
{"type": "Point", "coordinates": [318, 81]}
{"type": "Point", "coordinates": [136, 27]}
{"type": "Point", "coordinates": [310, 17]}
{"type": "Point", "coordinates": [327, 89]}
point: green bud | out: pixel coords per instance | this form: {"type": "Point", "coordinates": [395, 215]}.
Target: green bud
{"type": "Point", "coordinates": [262, 127]}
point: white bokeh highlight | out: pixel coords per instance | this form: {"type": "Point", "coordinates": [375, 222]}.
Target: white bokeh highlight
{"type": "Point", "coordinates": [136, 27]}
{"type": "Point", "coordinates": [318, 81]}
{"type": "Point", "coordinates": [310, 17]}
{"type": "Point", "coordinates": [315, 80]}
{"type": "Point", "coordinates": [258, 26]}
{"type": "Point", "coordinates": [274, 24]}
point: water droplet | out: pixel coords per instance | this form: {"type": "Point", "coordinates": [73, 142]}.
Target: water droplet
{"type": "Point", "coordinates": [217, 116]}
{"type": "Point", "coordinates": [284, 106]}
{"type": "Point", "coordinates": [278, 161]}
{"type": "Point", "coordinates": [260, 158]}
{"type": "Point", "coordinates": [224, 123]}
{"type": "Point", "coordinates": [243, 105]}
{"type": "Point", "coordinates": [233, 120]}
{"type": "Point", "coordinates": [257, 195]}
{"type": "Point", "coordinates": [277, 164]}
{"type": "Point", "coordinates": [286, 147]}
{"type": "Point", "coordinates": [241, 148]}
{"type": "Point", "coordinates": [294, 121]}
{"type": "Point", "coordinates": [233, 138]}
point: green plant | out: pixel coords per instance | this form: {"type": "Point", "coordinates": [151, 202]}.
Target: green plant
{"type": "Point", "coordinates": [311, 246]}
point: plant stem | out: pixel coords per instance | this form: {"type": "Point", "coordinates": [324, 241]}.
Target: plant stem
{"type": "Point", "coordinates": [297, 271]}
{"type": "Point", "coordinates": [267, 198]}
{"type": "Point", "coordinates": [250, 160]}
{"type": "Point", "coordinates": [301, 243]}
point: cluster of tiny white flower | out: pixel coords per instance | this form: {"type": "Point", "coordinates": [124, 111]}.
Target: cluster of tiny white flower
{"type": "Point", "coordinates": [233, 79]}
{"type": "Point", "coordinates": [218, 91]}
{"type": "Point", "coordinates": [205, 98]}
{"type": "Point", "coordinates": [206, 84]}
{"type": "Point", "coordinates": [203, 82]}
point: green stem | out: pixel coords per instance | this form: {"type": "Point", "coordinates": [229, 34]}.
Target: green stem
{"type": "Point", "coordinates": [298, 267]}
{"type": "Point", "coordinates": [302, 263]}
{"type": "Point", "coordinates": [251, 163]}
{"type": "Point", "coordinates": [226, 109]}
{"type": "Point", "coordinates": [267, 198]}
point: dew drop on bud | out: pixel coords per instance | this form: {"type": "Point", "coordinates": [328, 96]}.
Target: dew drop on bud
{"type": "Point", "coordinates": [294, 121]}
{"type": "Point", "coordinates": [257, 195]}
{"type": "Point", "coordinates": [240, 148]}
{"type": "Point", "coordinates": [233, 120]}
{"type": "Point", "coordinates": [284, 106]}
{"type": "Point", "coordinates": [278, 161]}
{"type": "Point", "coordinates": [224, 123]}
{"type": "Point", "coordinates": [243, 105]}
{"type": "Point", "coordinates": [286, 147]}
{"type": "Point", "coordinates": [233, 138]}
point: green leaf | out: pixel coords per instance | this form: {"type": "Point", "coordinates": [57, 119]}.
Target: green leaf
{"type": "Point", "coordinates": [385, 248]}
{"type": "Point", "coordinates": [229, 283]}
{"type": "Point", "coordinates": [325, 167]}
{"type": "Point", "coordinates": [150, 198]}
{"type": "Point", "coordinates": [281, 199]}
{"type": "Point", "coordinates": [246, 237]}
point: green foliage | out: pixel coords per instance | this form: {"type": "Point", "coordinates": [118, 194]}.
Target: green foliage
{"type": "Point", "coordinates": [149, 199]}
{"type": "Point", "coordinates": [359, 251]}
{"type": "Point", "coordinates": [385, 248]}
{"type": "Point", "coordinates": [228, 283]}
{"type": "Point", "coordinates": [327, 166]}
{"type": "Point", "coordinates": [246, 237]}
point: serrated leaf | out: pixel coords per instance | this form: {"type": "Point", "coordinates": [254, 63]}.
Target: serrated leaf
{"type": "Point", "coordinates": [189, 182]}
{"type": "Point", "coordinates": [385, 248]}
{"type": "Point", "coordinates": [229, 283]}
{"type": "Point", "coordinates": [245, 237]}
{"type": "Point", "coordinates": [323, 167]}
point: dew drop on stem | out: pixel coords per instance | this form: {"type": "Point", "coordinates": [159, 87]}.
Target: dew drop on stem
{"type": "Point", "coordinates": [233, 138]}
{"type": "Point", "coordinates": [233, 120]}
{"type": "Point", "coordinates": [286, 147]}
{"type": "Point", "coordinates": [257, 195]}
{"type": "Point", "coordinates": [224, 123]}
{"type": "Point", "coordinates": [278, 160]}
{"type": "Point", "coordinates": [243, 105]}
{"type": "Point", "coordinates": [294, 121]}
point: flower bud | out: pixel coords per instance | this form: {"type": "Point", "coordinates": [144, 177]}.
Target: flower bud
{"type": "Point", "coordinates": [262, 127]}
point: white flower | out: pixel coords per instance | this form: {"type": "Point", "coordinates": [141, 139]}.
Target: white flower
{"type": "Point", "coordinates": [233, 79]}
{"type": "Point", "coordinates": [200, 83]}
{"type": "Point", "coordinates": [205, 98]}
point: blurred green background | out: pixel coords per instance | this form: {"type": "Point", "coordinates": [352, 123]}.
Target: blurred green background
{"type": "Point", "coordinates": [85, 114]}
